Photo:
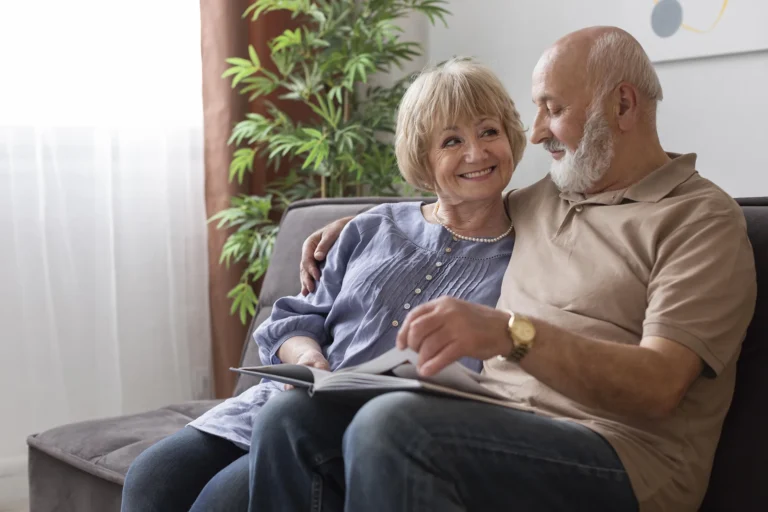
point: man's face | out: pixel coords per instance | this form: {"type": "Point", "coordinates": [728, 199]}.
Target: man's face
{"type": "Point", "coordinates": [573, 128]}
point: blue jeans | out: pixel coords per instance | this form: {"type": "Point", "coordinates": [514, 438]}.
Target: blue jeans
{"type": "Point", "coordinates": [188, 471]}
{"type": "Point", "coordinates": [410, 452]}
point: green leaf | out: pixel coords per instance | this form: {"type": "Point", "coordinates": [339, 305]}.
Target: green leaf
{"type": "Point", "coordinates": [313, 132]}
{"type": "Point", "coordinates": [237, 61]}
{"type": "Point", "coordinates": [254, 57]}
{"type": "Point", "coordinates": [242, 161]}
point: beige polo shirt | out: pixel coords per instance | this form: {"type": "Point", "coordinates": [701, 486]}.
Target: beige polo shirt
{"type": "Point", "coordinates": [668, 256]}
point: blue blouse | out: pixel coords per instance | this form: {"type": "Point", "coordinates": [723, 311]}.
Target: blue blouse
{"type": "Point", "coordinates": [386, 261]}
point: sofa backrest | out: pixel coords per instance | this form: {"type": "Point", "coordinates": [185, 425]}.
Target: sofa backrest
{"type": "Point", "coordinates": [300, 220]}
{"type": "Point", "coordinates": [738, 476]}
{"type": "Point", "coordinates": [742, 455]}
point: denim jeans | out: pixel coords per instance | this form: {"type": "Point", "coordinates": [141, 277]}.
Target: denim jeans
{"type": "Point", "coordinates": [410, 452]}
{"type": "Point", "coordinates": [188, 471]}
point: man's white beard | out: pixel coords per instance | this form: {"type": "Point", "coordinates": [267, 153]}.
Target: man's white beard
{"type": "Point", "coordinates": [580, 171]}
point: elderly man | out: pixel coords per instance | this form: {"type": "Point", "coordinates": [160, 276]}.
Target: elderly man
{"type": "Point", "coordinates": [619, 325]}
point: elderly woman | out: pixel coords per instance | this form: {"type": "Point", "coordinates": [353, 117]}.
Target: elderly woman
{"type": "Point", "coordinates": [458, 135]}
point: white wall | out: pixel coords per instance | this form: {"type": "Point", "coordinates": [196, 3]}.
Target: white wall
{"type": "Point", "coordinates": [716, 107]}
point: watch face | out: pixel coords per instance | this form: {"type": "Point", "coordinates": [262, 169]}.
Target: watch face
{"type": "Point", "coordinates": [524, 330]}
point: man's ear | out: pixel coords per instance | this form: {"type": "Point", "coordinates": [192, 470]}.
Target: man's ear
{"type": "Point", "coordinates": [628, 110]}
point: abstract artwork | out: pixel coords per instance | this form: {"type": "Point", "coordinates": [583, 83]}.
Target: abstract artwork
{"type": "Point", "coordinates": [667, 18]}
{"type": "Point", "coordinates": [670, 29]}
{"type": "Point", "coordinates": [680, 29]}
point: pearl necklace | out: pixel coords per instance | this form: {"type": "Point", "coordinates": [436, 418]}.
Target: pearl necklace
{"type": "Point", "coordinates": [471, 238]}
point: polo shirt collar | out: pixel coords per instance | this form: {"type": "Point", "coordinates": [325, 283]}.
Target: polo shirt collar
{"type": "Point", "coordinates": [651, 189]}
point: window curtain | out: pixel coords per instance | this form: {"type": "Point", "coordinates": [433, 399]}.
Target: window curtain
{"type": "Point", "coordinates": [104, 305]}
{"type": "Point", "coordinates": [227, 34]}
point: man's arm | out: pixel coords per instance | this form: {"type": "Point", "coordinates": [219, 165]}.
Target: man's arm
{"type": "Point", "coordinates": [645, 380]}
{"type": "Point", "coordinates": [701, 297]}
{"type": "Point", "coordinates": [314, 249]}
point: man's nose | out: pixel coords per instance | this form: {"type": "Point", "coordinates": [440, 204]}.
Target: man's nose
{"type": "Point", "coordinates": [540, 131]}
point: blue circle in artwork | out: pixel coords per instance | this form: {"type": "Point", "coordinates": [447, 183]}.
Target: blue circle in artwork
{"type": "Point", "coordinates": [667, 17]}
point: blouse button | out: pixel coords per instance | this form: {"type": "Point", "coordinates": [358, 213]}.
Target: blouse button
{"type": "Point", "coordinates": [455, 239]}
{"type": "Point", "coordinates": [447, 249]}
{"type": "Point", "coordinates": [395, 323]}
{"type": "Point", "coordinates": [439, 264]}
{"type": "Point", "coordinates": [417, 291]}
{"type": "Point", "coordinates": [429, 277]}
{"type": "Point", "coordinates": [406, 306]}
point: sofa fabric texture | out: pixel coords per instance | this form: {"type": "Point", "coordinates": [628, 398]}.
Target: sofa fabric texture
{"type": "Point", "coordinates": [81, 467]}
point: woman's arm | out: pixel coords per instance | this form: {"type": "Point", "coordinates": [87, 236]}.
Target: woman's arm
{"type": "Point", "coordinates": [305, 316]}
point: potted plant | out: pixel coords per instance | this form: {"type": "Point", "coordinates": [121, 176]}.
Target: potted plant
{"type": "Point", "coordinates": [325, 64]}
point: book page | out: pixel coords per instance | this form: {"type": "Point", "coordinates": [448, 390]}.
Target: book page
{"type": "Point", "coordinates": [287, 373]}
{"type": "Point", "coordinates": [453, 376]}
{"type": "Point", "coordinates": [386, 362]}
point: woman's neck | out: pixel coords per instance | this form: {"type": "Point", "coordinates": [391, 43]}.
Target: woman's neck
{"type": "Point", "coordinates": [485, 219]}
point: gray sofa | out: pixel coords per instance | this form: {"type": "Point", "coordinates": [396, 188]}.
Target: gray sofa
{"type": "Point", "coordinates": [81, 467]}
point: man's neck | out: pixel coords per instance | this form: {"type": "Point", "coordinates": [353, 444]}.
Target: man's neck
{"type": "Point", "coordinates": [632, 165]}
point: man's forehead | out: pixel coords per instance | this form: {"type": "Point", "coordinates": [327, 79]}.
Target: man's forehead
{"type": "Point", "coordinates": [556, 75]}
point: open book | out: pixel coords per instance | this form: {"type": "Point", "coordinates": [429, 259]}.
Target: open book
{"type": "Point", "coordinates": [394, 370]}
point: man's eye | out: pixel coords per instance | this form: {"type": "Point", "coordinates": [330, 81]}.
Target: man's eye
{"type": "Point", "coordinates": [555, 111]}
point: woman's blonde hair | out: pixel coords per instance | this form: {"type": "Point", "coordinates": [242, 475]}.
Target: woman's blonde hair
{"type": "Point", "coordinates": [457, 90]}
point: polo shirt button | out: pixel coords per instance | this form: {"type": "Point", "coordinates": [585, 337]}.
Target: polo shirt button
{"type": "Point", "coordinates": [417, 291]}
{"type": "Point", "coordinates": [579, 209]}
{"type": "Point", "coordinates": [429, 277]}
{"type": "Point", "coordinates": [395, 323]}
{"type": "Point", "coordinates": [406, 306]}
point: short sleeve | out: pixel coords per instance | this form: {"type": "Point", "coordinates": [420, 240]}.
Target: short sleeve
{"type": "Point", "coordinates": [702, 289]}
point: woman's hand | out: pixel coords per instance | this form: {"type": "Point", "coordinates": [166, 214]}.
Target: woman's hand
{"type": "Point", "coordinates": [304, 351]}
{"type": "Point", "coordinates": [447, 329]}
{"type": "Point", "coordinates": [314, 249]}
{"type": "Point", "coordinates": [314, 359]}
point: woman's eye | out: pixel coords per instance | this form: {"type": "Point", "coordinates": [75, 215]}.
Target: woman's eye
{"type": "Point", "coordinates": [491, 132]}
{"type": "Point", "coordinates": [451, 141]}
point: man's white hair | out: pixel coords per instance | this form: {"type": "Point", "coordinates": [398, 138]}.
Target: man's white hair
{"type": "Point", "coordinates": [617, 57]}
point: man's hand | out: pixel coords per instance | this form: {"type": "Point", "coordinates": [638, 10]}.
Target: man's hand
{"type": "Point", "coordinates": [314, 249]}
{"type": "Point", "coordinates": [447, 329]}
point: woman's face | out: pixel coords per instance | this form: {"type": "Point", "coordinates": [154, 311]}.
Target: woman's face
{"type": "Point", "coordinates": [471, 160]}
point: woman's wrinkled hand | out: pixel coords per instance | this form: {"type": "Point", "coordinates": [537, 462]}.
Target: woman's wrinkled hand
{"type": "Point", "coordinates": [314, 249]}
{"type": "Point", "coordinates": [313, 359]}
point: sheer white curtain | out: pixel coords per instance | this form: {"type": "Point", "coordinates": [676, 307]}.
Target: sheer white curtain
{"type": "Point", "coordinates": [103, 266]}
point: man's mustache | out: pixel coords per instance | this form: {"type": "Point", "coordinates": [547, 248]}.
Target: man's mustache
{"type": "Point", "coordinates": [554, 145]}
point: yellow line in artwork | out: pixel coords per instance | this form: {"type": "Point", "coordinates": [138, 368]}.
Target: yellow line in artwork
{"type": "Point", "coordinates": [714, 24]}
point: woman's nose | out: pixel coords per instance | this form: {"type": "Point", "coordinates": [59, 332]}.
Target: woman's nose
{"type": "Point", "coordinates": [476, 152]}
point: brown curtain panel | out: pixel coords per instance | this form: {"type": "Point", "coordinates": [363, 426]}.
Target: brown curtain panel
{"type": "Point", "coordinates": [226, 34]}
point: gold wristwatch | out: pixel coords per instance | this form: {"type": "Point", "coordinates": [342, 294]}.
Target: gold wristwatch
{"type": "Point", "coordinates": [522, 332]}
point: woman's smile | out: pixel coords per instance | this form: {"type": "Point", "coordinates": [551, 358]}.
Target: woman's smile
{"type": "Point", "coordinates": [478, 175]}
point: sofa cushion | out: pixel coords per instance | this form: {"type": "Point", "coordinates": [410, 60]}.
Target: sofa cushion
{"type": "Point", "coordinates": [106, 447]}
